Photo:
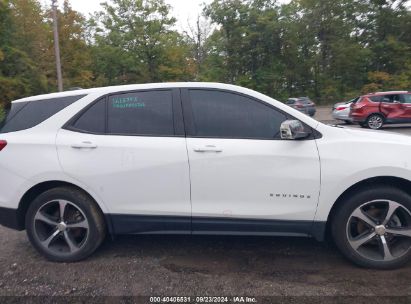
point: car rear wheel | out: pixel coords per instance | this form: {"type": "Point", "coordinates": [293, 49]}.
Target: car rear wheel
{"type": "Point", "coordinates": [375, 121]}
{"type": "Point", "coordinates": [65, 225]}
{"type": "Point", "coordinates": [372, 228]}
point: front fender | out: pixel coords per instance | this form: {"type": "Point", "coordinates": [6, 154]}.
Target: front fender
{"type": "Point", "coordinates": [331, 190]}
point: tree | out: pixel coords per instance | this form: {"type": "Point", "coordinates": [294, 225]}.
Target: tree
{"type": "Point", "coordinates": [76, 57]}
{"type": "Point", "coordinates": [140, 33]}
{"type": "Point", "coordinates": [197, 36]}
{"type": "Point", "coordinates": [329, 50]}
{"type": "Point", "coordinates": [19, 74]}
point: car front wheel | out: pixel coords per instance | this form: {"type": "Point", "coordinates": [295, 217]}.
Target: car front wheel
{"type": "Point", "coordinates": [372, 228]}
{"type": "Point", "coordinates": [65, 225]}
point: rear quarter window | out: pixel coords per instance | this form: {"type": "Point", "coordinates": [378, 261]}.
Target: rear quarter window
{"type": "Point", "coordinates": [25, 115]}
{"type": "Point", "coordinates": [93, 120]}
{"type": "Point", "coordinates": [376, 98]}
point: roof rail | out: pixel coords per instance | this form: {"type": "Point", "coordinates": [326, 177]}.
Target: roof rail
{"type": "Point", "coordinates": [390, 92]}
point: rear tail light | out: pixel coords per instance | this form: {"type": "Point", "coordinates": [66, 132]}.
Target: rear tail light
{"type": "Point", "coordinates": [3, 144]}
{"type": "Point", "coordinates": [340, 108]}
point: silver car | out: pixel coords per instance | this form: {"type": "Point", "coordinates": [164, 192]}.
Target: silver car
{"type": "Point", "coordinates": [302, 104]}
{"type": "Point", "coordinates": [341, 111]}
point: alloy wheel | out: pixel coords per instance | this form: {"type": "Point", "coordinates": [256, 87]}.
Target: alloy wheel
{"type": "Point", "coordinates": [375, 122]}
{"type": "Point", "coordinates": [380, 230]}
{"type": "Point", "coordinates": [61, 227]}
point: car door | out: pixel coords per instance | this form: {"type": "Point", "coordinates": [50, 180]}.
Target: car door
{"type": "Point", "coordinates": [244, 178]}
{"type": "Point", "coordinates": [405, 100]}
{"type": "Point", "coordinates": [392, 108]}
{"type": "Point", "coordinates": [129, 148]}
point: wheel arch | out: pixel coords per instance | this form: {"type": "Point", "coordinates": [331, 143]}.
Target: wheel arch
{"type": "Point", "coordinates": [42, 187]}
{"type": "Point", "coordinates": [397, 182]}
{"type": "Point", "coordinates": [376, 113]}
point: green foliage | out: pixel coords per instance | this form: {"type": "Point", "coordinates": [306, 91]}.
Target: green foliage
{"type": "Point", "coordinates": [2, 113]}
{"type": "Point", "coordinates": [330, 50]}
{"type": "Point", "coordinates": [135, 43]}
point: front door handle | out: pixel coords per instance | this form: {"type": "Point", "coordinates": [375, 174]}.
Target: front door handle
{"type": "Point", "coordinates": [84, 145]}
{"type": "Point", "coordinates": [208, 148]}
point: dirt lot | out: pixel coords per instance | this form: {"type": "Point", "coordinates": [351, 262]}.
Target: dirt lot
{"type": "Point", "coordinates": [199, 266]}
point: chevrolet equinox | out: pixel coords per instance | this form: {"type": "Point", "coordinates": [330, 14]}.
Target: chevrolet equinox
{"type": "Point", "coordinates": [198, 158]}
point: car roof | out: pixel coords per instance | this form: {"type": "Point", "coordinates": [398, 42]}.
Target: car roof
{"type": "Point", "coordinates": [121, 88]}
{"type": "Point", "coordinates": [387, 92]}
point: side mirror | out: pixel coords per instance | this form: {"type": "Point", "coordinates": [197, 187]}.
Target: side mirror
{"type": "Point", "coordinates": [293, 129]}
{"type": "Point", "coordinates": [396, 101]}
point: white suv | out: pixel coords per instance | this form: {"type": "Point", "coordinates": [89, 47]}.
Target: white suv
{"type": "Point", "coordinates": [198, 158]}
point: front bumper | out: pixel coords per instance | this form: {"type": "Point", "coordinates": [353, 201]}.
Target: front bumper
{"type": "Point", "coordinates": [9, 218]}
{"type": "Point", "coordinates": [358, 119]}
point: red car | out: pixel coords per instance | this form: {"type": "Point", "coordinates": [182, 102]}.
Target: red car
{"type": "Point", "coordinates": [376, 109]}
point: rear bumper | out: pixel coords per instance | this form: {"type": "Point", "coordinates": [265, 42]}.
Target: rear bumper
{"type": "Point", "coordinates": [9, 218]}
{"type": "Point", "coordinates": [341, 115]}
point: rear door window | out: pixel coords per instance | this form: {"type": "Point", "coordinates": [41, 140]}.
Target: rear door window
{"type": "Point", "coordinates": [390, 98]}
{"type": "Point", "coordinates": [141, 113]}
{"type": "Point", "coordinates": [25, 115]}
{"type": "Point", "coordinates": [405, 98]}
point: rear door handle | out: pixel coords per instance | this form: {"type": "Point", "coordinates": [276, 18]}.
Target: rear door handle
{"type": "Point", "coordinates": [84, 145]}
{"type": "Point", "coordinates": [208, 148]}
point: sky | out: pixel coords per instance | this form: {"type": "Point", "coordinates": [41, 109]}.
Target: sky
{"type": "Point", "coordinates": [183, 10]}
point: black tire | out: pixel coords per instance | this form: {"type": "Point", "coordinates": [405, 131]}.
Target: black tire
{"type": "Point", "coordinates": [342, 216]}
{"type": "Point", "coordinates": [348, 122]}
{"type": "Point", "coordinates": [375, 121]}
{"type": "Point", "coordinates": [82, 206]}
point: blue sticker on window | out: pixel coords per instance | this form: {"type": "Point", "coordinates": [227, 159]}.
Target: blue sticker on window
{"type": "Point", "coordinates": [131, 102]}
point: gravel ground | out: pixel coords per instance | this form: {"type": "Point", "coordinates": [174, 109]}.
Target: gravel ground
{"type": "Point", "coordinates": [191, 265]}
{"type": "Point", "coordinates": [199, 266]}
